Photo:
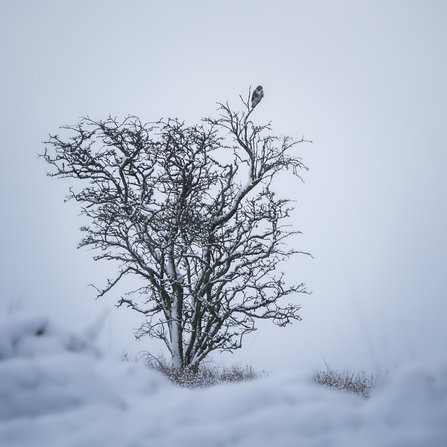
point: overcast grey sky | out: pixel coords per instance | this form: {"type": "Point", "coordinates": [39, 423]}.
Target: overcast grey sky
{"type": "Point", "coordinates": [366, 81]}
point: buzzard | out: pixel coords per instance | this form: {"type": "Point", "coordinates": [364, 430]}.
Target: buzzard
{"type": "Point", "coordinates": [258, 94]}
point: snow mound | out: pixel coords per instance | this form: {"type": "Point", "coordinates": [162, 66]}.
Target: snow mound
{"type": "Point", "coordinates": [29, 336]}
{"type": "Point", "coordinates": [46, 369]}
{"type": "Point", "coordinates": [56, 389]}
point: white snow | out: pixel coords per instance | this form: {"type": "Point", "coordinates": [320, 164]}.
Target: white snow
{"type": "Point", "coordinates": [57, 389]}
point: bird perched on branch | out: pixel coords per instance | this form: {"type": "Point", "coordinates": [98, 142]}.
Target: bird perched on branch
{"type": "Point", "coordinates": [258, 94]}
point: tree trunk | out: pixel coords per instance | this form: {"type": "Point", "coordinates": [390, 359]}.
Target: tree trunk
{"type": "Point", "coordinates": [176, 328]}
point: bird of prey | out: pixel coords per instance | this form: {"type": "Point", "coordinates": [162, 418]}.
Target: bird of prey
{"type": "Point", "coordinates": [258, 94]}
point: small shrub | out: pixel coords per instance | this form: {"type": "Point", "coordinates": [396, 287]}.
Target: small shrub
{"type": "Point", "coordinates": [207, 374]}
{"type": "Point", "coordinates": [358, 383]}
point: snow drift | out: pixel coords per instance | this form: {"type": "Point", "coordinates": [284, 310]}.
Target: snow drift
{"type": "Point", "coordinates": [56, 389]}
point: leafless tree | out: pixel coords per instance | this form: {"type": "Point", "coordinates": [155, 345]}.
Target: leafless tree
{"type": "Point", "coordinates": [189, 210]}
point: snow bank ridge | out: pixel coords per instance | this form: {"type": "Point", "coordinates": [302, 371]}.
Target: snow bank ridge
{"type": "Point", "coordinates": [46, 369]}
{"type": "Point", "coordinates": [56, 389]}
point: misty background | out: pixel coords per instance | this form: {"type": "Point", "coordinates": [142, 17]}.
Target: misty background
{"type": "Point", "coordinates": [365, 81]}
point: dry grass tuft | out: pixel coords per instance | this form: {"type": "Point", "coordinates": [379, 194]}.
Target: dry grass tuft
{"type": "Point", "coordinates": [358, 383]}
{"type": "Point", "coordinates": [208, 373]}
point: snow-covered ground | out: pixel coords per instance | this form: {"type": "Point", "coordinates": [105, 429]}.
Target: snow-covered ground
{"type": "Point", "coordinates": [57, 389]}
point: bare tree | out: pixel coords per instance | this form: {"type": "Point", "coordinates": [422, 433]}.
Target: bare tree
{"type": "Point", "coordinates": [192, 213]}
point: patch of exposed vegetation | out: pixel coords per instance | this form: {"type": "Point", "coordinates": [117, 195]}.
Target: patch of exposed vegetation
{"type": "Point", "coordinates": [358, 383]}
{"type": "Point", "coordinates": [210, 373]}
{"type": "Point", "coordinates": [207, 374]}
